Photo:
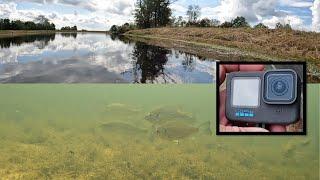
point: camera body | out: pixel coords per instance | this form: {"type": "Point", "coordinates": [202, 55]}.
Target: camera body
{"type": "Point", "coordinates": [270, 97]}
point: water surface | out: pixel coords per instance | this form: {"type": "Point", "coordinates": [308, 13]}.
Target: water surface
{"type": "Point", "coordinates": [96, 58]}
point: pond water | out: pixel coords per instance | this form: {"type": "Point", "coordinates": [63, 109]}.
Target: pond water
{"type": "Point", "coordinates": [108, 131]}
{"type": "Point", "coordinates": [96, 58]}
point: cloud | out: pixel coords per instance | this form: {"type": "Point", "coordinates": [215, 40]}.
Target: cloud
{"type": "Point", "coordinates": [178, 9]}
{"type": "Point", "coordinates": [296, 3]}
{"type": "Point", "coordinates": [100, 20]}
{"type": "Point", "coordinates": [316, 16]}
{"type": "Point", "coordinates": [253, 10]}
{"type": "Point", "coordinates": [104, 13]}
{"type": "Point", "coordinates": [121, 7]}
{"type": "Point", "coordinates": [7, 9]}
{"type": "Point", "coordinates": [295, 21]}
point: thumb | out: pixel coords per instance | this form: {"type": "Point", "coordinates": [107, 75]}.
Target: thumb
{"type": "Point", "coordinates": [241, 129]}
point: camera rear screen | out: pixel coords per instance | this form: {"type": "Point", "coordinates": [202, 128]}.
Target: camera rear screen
{"type": "Point", "coordinates": [245, 91]}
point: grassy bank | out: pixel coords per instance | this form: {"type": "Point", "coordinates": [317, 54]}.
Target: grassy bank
{"type": "Point", "coordinates": [271, 43]}
{"type": "Point", "coordinates": [239, 44]}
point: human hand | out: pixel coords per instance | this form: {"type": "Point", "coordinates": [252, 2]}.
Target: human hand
{"type": "Point", "coordinates": [225, 124]}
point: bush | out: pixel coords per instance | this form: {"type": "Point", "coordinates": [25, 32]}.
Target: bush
{"type": "Point", "coordinates": [283, 26]}
{"type": "Point", "coordinates": [205, 22]}
{"type": "Point", "coordinates": [261, 26]}
{"type": "Point", "coordinates": [68, 28]}
{"type": "Point", "coordinates": [226, 25]}
{"type": "Point", "coordinates": [117, 30]}
{"type": "Point", "coordinates": [239, 22]}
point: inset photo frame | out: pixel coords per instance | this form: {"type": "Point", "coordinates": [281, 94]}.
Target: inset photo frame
{"type": "Point", "coordinates": [261, 98]}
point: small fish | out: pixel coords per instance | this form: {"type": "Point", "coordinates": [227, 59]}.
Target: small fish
{"type": "Point", "coordinates": [163, 115]}
{"type": "Point", "coordinates": [175, 130]}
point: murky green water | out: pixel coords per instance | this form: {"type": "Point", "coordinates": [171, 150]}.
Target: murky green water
{"type": "Point", "coordinates": [126, 132]}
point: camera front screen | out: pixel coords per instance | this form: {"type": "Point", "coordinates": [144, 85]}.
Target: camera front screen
{"type": "Point", "coordinates": [246, 91]}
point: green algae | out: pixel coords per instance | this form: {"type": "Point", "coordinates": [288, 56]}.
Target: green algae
{"type": "Point", "coordinates": [60, 136]}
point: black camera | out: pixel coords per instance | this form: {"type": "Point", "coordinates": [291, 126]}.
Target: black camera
{"type": "Point", "coordinates": [271, 97]}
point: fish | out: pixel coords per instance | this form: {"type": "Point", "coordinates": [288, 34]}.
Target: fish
{"type": "Point", "coordinates": [175, 130]}
{"type": "Point", "coordinates": [163, 115]}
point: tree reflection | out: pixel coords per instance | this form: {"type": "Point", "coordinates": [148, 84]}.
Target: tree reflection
{"type": "Point", "coordinates": [149, 61]}
{"type": "Point", "coordinates": [7, 42]}
{"type": "Point", "coordinates": [188, 62]}
{"type": "Point", "coordinates": [69, 34]}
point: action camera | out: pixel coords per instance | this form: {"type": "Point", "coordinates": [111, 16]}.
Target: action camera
{"type": "Point", "coordinates": [270, 97]}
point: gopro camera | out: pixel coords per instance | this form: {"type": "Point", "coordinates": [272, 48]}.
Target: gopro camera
{"type": "Point", "coordinates": [270, 97]}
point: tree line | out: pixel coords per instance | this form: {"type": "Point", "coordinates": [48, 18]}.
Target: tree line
{"type": "Point", "coordinates": [68, 28]}
{"type": "Point", "coordinates": [157, 13]}
{"type": "Point", "coordinates": [39, 23]}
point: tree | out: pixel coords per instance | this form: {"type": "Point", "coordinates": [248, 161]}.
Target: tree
{"type": "Point", "coordinates": [41, 19]}
{"type": "Point", "coordinates": [226, 25]}
{"type": "Point", "coordinates": [5, 24]}
{"type": "Point", "coordinates": [74, 28]}
{"type": "Point", "coordinates": [260, 26]}
{"type": "Point", "coordinates": [152, 13]}
{"type": "Point", "coordinates": [193, 13]}
{"type": "Point", "coordinates": [239, 22]}
{"type": "Point", "coordinates": [43, 24]}
{"type": "Point", "coordinates": [114, 29]}
{"type": "Point", "coordinates": [179, 21]}
{"type": "Point", "coordinates": [205, 22]}
{"type": "Point", "coordinates": [215, 22]}
{"type": "Point", "coordinates": [68, 28]}
{"type": "Point", "coordinates": [287, 27]}
{"type": "Point", "coordinates": [279, 26]}
{"type": "Point", "coordinates": [17, 25]}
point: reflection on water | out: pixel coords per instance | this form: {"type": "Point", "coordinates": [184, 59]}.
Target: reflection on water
{"type": "Point", "coordinates": [43, 40]}
{"type": "Point", "coordinates": [39, 58]}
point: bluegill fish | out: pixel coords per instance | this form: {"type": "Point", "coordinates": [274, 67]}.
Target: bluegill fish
{"type": "Point", "coordinates": [175, 130]}
{"type": "Point", "coordinates": [166, 114]}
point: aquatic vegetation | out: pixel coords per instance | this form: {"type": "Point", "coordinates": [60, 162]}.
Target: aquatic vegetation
{"type": "Point", "coordinates": [76, 138]}
{"type": "Point", "coordinates": [122, 129]}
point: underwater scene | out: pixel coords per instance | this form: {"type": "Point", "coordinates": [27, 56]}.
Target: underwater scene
{"type": "Point", "coordinates": [105, 131]}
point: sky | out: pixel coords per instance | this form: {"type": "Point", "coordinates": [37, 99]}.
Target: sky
{"type": "Point", "coordinates": [102, 14]}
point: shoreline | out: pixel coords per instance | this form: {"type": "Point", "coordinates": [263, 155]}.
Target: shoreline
{"type": "Point", "coordinates": [268, 43]}
{"type": "Point", "coordinates": [191, 40]}
{"type": "Point", "coordinates": [13, 33]}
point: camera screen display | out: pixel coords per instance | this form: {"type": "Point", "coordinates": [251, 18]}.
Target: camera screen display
{"type": "Point", "coordinates": [245, 91]}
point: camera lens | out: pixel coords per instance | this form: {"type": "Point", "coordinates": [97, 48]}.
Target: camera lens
{"type": "Point", "coordinates": [279, 87]}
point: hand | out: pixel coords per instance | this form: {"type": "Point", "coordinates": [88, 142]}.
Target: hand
{"type": "Point", "coordinates": [225, 124]}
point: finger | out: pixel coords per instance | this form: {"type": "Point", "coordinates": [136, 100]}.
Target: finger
{"type": "Point", "coordinates": [231, 67]}
{"type": "Point", "coordinates": [223, 69]}
{"type": "Point", "coordinates": [277, 128]}
{"type": "Point", "coordinates": [251, 67]}
{"type": "Point", "coordinates": [222, 108]}
{"type": "Point", "coordinates": [223, 128]}
{"type": "Point", "coordinates": [252, 129]}
{"type": "Point", "coordinates": [222, 74]}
